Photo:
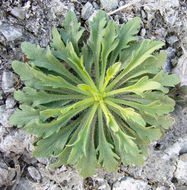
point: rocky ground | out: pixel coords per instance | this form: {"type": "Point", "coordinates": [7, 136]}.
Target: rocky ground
{"type": "Point", "coordinates": [32, 20]}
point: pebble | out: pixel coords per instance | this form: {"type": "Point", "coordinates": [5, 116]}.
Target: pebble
{"type": "Point", "coordinates": [181, 171]}
{"type": "Point", "coordinates": [181, 70]}
{"type": "Point", "coordinates": [172, 40]}
{"type": "Point", "coordinates": [109, 5]}
{"type": "Point", "coordinates": [25, 184]}
{"type": "Point", "coordinates": [11, 33]}
{"type": "Point", "coordinates": [162, 188]}
{"type": "Point", "coordinates": [170, 55]}
{"type": "Point", "coordinates": [10, 102]}
{"type": "Point", "coordinates": [171, 3]}
{"type": "Point", "coordinates": [143, 32]}
{"type": "Point", "coordinates": [96, 6]}
{"type": "Point", "coordinates": [34, 173]}
{"type": "Point", "coordinates": [87, 11]}
{"type": "Point", "coordinates": [6, 174]}
{"type": "Point", "coordinates": [18, 12]}
{"type": "Point", "coordinates": [5, 115]}
{"type": "Point", "coordinates": [143, 14]}
{"type": "Point", "coordinates": [167, 66]}
{"type": "Point", "coordinates": [59, 8]}
{"type": "Point", "coordinates": [14, 142]}
{"type": "Point", "coordinates": [7, 81]}
{"type": "Point", "coordinates": [1, 96]}
{"type": "Point", "coordinates": [131, 184]}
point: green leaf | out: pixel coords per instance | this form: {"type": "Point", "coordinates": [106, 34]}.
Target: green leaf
{"type": "Point", "coordinates": [144, 84]}
{"type": "Point", "coordinates": [47, 129]}
{"type": "Point", "coordinates": [32, 97]}
{"type": "Point", "coordinates": [152, 65]}
{"type": "Point", "coordinates": [164, 121]}
{"type": "Point", "coordinates": [165, 79]}
{"type": "Point", "coordinates": [109, 43]}
{"type": "Point", "coordinates": [71, 32]}
{"type": "Point", "coordinates": [54, 144]}
{"type": "Point", "coordinates": [57, 41]}
{"type": "Point", "coordinates": [107, 157]}
{"type": "Point", "coordinates": [24, 116]}
{"type": "Point", "coordinates": [36, 77]}
{"type": "Point", "coordinates": [111, 72]}
{"type": "Point", "coordinates": [140, 53]}
{"type": "Point", "coordinates": [97, 27]}
{"type": "Point", "coordinates": [126, 34]}
{"type": "Point", "coordinates": [46, 60]}
{"type": "Point", "coordinates": [154, 108]}
{"type": "Point", "coordinates": [128, 114]}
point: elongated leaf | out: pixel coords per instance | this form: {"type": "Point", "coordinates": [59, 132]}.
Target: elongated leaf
{"type": "Point", "coordinates": [46, 60]}
{"type": "Point", "coordinates": [54, 144]}
{"type": "Point", "coordinates": [111, 72]}
{"type": "Point", "coordinates": [107, 157]}
{"type": "Point", "coordinates": [31, 75]}
{"type": "Point", "coordinates": [97, 32]}
{"type": "Point", "coordinates": [31, 96]}
{"type": "Point", "coordinates": [109, 43]}
{"type": "Point", "coordinates": [166, 80]}
{"type": "Point", "coordinates": [140, 53]}
{"type": "Point", "coordinates": [71, 32]}
{"type": "Point", "coordinates": [126, 34]}
{"type": "Point", "coordinates": [151, 65]}
{"type": "Point", "coordinates": [24, 116]}
{"type": "Point", "coordinates": [144, 84]}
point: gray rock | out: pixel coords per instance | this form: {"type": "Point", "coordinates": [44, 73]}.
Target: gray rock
{"type": "Point", "coordinates": [143, 32]}
{"type": "Point", "coordinates": [170, 55]}
{"type": "Point", "coordinates": [55, 187]}
{"type": "Point", "coordinates": [158, 167]}
{"type": "Point", "coordinates": [11, 33]}
{"type": "Point", "coordinates": [131, 184]}
{"type": "Point", "coordinates": [162, 188]}
{"type": "Point", "coordinates": [102, 183]}
{"type": "Point", "coordinates": [10, 102]}
{"type": "Point", "coordinates": [96, 6]}
{"type": "Point", "coordinates": [7, 174]}
{"type": "Point", "coordinates": [59, 8]}
{"type": "Point", "coordinates": [143, 14]}
{"type": "Point", "coordinates": [5, 114]}
{"type": "Point", "coordinates": [68, 177]}
{"type": "Point", "coordinates": [25, 184]}
{"type": "Point", "coordinates": [181, 171]}
{"type": "Point", "coordinates": [87, 11]}
{"type": "Point", "coordinates": [175, 149]}
{"type": "Point", "coordinates": [172, 40]}
{"type": "Point", "coordinates": [7, 81]}
{"type": "Point", "coordinates": [109, 4]}
{"type": "Point", "coordinates": [18, 12]}
{"type": "Point", "coordinates": [34, 173]}
{"type": "Point", "coordinates": [171, 3]}
{"type": "Point", "coordinates": [181, 69]}
{"type": "Point", "coordinates": [167, 66]}
{"type": "Point", "coordinates": [14, 142]}
{"type": "Point", "coordinates": [1, 96]}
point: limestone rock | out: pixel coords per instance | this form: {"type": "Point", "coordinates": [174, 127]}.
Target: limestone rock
{"type": "Point", "coordinates": [131, 184]}
{"type": "Point", "coordinates": [11, 33]}
{"type": "Point", "coordinates": [87, 11]}
{"type": "Point", "coordinates": [109, 4]}
{"type": "Point", "coordinates": [7, 81]}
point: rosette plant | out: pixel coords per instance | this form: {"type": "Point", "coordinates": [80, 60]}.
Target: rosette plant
{"type": "Point", "coordinates": [94, 102]}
